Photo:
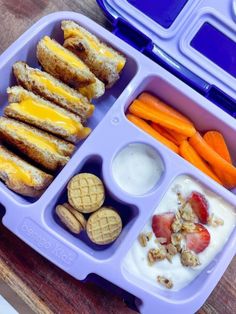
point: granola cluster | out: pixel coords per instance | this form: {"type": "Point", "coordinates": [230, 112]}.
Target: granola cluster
{"type": "Point", "coordinates": [157, 254]}
{"type": "Point", "coordinates": [189, 259]}
{"type": "Point", "coordinates": [215, 221]}
{"type": "Point", "coordinates": [144, 238]}
{"type": "Point", "coordinates": [165, 282]}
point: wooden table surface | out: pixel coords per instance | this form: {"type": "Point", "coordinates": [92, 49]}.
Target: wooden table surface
{"type": "Point", "coordinates": [44, 287]}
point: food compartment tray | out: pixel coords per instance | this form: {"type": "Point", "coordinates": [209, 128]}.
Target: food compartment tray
{"type": "Point", "coordinates": [35, 222]}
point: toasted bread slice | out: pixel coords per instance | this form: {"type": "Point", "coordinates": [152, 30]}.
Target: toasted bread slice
{"type": "Point", "coordinates": [20, 176]}
{"type": "Point", "coordinates": [63, 64]}
{"type": "Point", "coordinates": [46, 149]}
{"type": "Point", "coordinates": [48, 87]}
{"type": "Point", "coordinates": [105, 62]}
{"type": "Point", "coordinates": [66, 66]}
{"type": "Point", "coordinates": [27, 107]}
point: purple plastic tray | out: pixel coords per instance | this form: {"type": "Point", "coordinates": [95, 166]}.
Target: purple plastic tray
{"type": "Point", "coordinates": [34, 221]}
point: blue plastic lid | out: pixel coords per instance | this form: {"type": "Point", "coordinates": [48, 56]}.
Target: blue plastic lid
{"type": "Point", "coordinates": [162, 12]}
{"type": "Point", "coordinates": [195, 40]}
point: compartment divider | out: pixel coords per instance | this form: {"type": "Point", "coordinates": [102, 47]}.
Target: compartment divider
{"type": "Point", "coordinates": [35, 221]}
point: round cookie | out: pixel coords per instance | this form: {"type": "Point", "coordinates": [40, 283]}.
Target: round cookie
{"type": "Point", "coordinates": [72, 219]}
{"type": "Point", "coordinates": [104, 226]}
{"type": "Point", "coordinates": [86, 192]}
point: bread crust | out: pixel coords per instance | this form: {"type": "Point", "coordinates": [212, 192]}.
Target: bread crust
{"type": "Point", "coordinates": [61, 69]}
{"type": "Point", "coordinates": [49, 160]}
{"type": "Point", "coordinates": [24, 73]}
{"type": "Point", "coordinates": [105, 68]}
{"type": "Point", "coordinates": [41, 182]}
{"type": "Point", "coordinates": [94, 90]}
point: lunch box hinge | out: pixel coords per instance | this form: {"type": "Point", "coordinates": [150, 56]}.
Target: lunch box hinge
{"type": "Point", "coordinates": [211, 92]}
{"type": "Point", "coordinates": [222, 100]}
{"type": "Point", "coordinates": [171, 65]}
{"type": "Point", "coordinates": [125, 31]}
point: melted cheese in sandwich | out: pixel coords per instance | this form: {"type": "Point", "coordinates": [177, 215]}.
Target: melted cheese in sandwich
{"type": "Point", "coordinates": [12, 169]}
{"type": "Point", "coordinates": [62, 53]}
{"type": "Point", "coordinates": [53, 88]}
{"type": "Point", "coordinates": [100, 49]}
{"type": "Point", "coordinates": [45, 113]}
{"type": "Point", "coordinates": [36, 139]}
{"type": "Point", "coordinates": [58, 90]}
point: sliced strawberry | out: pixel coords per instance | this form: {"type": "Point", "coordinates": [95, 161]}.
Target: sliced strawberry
{"type": "Point", "coordinates": [199, 205]}
{"type": "Point", "coordinates": [199, 239]}
{"type": "Point", "coordinates": [161, 225]}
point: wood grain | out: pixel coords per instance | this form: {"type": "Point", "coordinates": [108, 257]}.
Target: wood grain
{"type": "Point", "coordinates": [12, 298]}
{"type": "Point", "coordinates": [43, 286]}
{"type": "Point", "coordinates": [18, 15]}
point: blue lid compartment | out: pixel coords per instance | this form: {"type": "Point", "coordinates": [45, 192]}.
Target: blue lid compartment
{"type": "Point", "coordinates": [169, 32]}
{"type": "Point", "coordinates": [162, 12]}
{"type": "Point", "coordinates": [221, 50]}
{"type": "Point", "coordinates": [151, 24]}
{"type": "Point", "coordinates": [207, 48]}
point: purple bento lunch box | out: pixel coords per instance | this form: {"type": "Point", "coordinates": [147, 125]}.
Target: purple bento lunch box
{"type": "Point", "coordinates": [34, 220]}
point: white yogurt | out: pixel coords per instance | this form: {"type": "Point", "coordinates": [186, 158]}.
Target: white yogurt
{"type": "Point", "coordinates": [137, 168]}
{"type": "Point", "coordinates": [136, 260]}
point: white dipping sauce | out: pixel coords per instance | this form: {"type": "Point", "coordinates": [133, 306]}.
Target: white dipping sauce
{"type": "Point", "coordinates": [137, 168]}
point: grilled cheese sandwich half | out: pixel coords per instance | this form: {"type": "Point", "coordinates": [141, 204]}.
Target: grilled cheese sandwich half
{"type": "Point", "coordinates": [20, 176]}
{"type": "Point", "coordinates": [27, 107]}
{"type": "Point", "coordinates": [105, 62]}
{"type": "Point", "coordinates": [45, 149]}
{"type": "Point", "coordinates": [94, 90]}
{"type": "Point", "coordinates": [53, 90]}
{"type": "Point", "coordinates": [66, 66]}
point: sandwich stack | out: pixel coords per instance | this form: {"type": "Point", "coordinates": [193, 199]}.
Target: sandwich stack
{"type": "Point", "coordinates": [48, 111]}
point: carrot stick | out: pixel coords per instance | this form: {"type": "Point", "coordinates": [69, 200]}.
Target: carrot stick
{"type": "Point", "coordinates": [143, 111]}
{"type": "Point", "coordinates": [164, 132]}
{"type": "Point", "coordinates": [189, 154]}
{"type": "Point", "coordinates": [216, 140]}
{"type": "Point", "coordinates": [155, 103]}
{"type": "Point", "coordinates": [174, 137]}
{"type": "Point", "coordinates": [214, 159]}
{"type": "Point", "coordinates": [179, 138]}
{"type": "Point", "coordinates": [228, 181]}
{"type": "Point", "coordinates": [148, 129]}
